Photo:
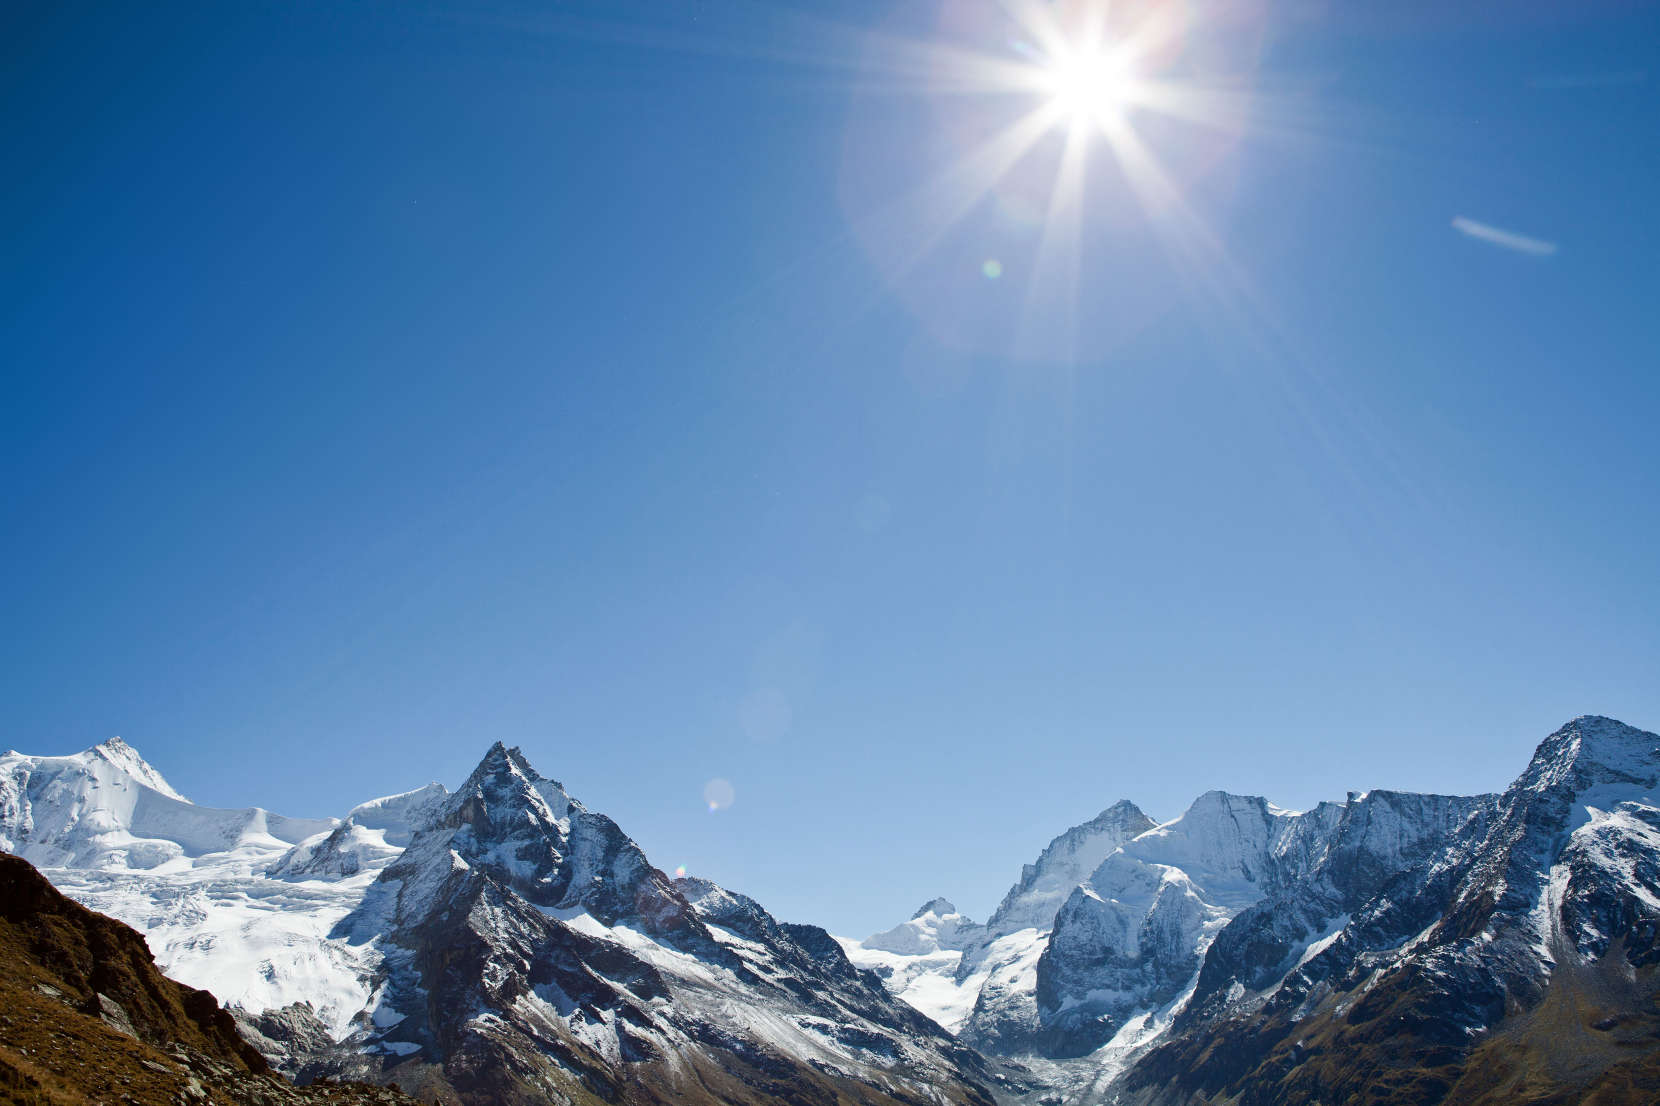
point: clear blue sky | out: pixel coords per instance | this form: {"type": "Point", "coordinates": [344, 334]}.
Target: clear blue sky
{"type": "Point", "coordinates": [624, 381]}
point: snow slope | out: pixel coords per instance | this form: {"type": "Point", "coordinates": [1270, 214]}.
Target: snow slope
{"type": "Point", "coordinates": [110, 832]}
{"type": "Point", "coordinates": [918, 960]}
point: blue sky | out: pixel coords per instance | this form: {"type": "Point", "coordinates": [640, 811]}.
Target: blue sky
{"type": "Point", "coordinates": [621, 381]}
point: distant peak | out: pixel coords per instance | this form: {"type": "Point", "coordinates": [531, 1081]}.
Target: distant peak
{"type": "Point", "coordinates": [1120, 813]}
{"type": "Point", "coordinates": [941, 906]}
{"type": "Point", "coordinates": [127, 759]}
{"type": "Point", "coordinates": [1228, 800]}
{"type": "Point", "coordinates": [1592, 745]}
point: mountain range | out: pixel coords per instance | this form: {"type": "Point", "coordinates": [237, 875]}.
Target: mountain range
{"type": "Point", "coordinates": [502, 943]}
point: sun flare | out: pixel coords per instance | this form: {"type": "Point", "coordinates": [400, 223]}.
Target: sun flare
{"type": "Point", "coordinates": [1079, 120]}
{"type": "Point", "coordinates": [1090, 86]}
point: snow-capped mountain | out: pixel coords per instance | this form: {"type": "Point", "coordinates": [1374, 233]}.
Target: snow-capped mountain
{"type": "Point", "coordinates": [1518, 961]}
{"type": "Point", "coordinates": [918, 959]}
{"type": "Point", "coordinates": [110, 832]}
{"type": "Point", "coordinates": [498, 944]}
{"type": "Point", "coordinates": [1129, 943]}
{"type": "Point", "coordinates": [1065, 862]}
{"type": "Point", "coordinates": [1147, 922]}
{"type": "Point", "coordinates": [979, 980]}
{"type": "Point", "coordinates": [502, 943]}
{"type": "Point", "coordinates": [106, 808]}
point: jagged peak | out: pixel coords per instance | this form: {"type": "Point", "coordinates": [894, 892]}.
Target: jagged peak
{"type": "Point", "coordinates": [499, 758]}
{"type": "Point", "coordinates": [939, 905]}
{"type": "Point", "coordinates": [501, 762]}
{"type": "Point", "coordinates": [503, 781]}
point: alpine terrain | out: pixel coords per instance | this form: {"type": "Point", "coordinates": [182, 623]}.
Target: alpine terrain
{"type": "Point", "coordinates": [497, 944]}
{"type": "Point", "coordinates": [501, 943]}
{"type": "Point", "coordinates": [1393, 947]}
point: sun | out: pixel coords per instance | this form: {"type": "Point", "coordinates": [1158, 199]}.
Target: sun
{"type": "Point", "coordinates": [1079, 119]}
{"type": "Point", "coordinates": [1090, 85]}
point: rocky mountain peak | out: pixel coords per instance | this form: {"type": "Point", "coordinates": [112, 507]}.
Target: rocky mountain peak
{"type": "Point", "coordinates": [1121, 813]}
{"type": "Point", "coordinates": [524, 832]}
{"type": "Point", "coordinates": [1593, 750]}
{"type": "Point", "coordinates": [941, 906]}
{"type": "Point", "coordinates": [505, 796]}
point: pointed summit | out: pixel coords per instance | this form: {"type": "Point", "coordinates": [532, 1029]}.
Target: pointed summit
{"type": "Point", "coordinates": [1590, 751]}
{"type": "Point", "coordinates": [505, 792]}
{"type": "Point", "coordinates": [1123, 811]}
{"type": "Point", "coordinates": [127, 759]}
{"type": "Point", "coordinates": [499, 760]}
{"type": "Point", "coordinates": [524, 832]}
{"type": "Point", "coordinates": [1064, 863]}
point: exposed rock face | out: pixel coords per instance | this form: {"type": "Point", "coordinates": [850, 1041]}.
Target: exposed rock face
{"type": "Point", "coordinates": [285, 1035]}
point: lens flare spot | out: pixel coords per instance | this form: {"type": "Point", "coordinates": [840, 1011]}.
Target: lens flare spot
{"type": "Point", "coordinates": [680, 872]}
{"type": "Point", "coordinates": [992, 269]}
{"type": "Point", "coordinates": [718, 794]}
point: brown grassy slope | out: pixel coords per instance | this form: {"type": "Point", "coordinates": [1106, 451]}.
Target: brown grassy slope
{"type": "Point", "coordinates": [1594, 1038]}
{"type": "Point", "coordinates": [91, 960]}
{"type": "Point", "coordinates": [85, 1018]}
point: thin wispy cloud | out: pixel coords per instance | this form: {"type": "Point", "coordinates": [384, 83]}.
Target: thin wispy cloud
{"type": "Point", "coordinates": [1498, 236]}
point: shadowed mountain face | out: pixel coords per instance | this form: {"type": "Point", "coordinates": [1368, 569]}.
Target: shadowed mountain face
{"type": "Point", "coordinates": [85, 1016]}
